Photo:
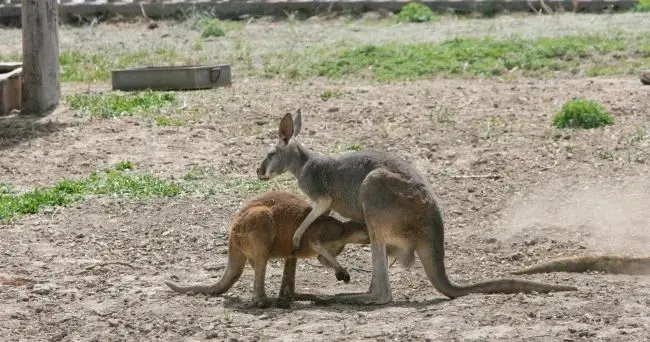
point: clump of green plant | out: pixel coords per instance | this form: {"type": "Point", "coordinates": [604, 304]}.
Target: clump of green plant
{"type": "Point", "coordinates": [642, 6]}
{"type": "Point", "coordinates": [79, 66]}
{"type": "Point", "coordinates": [328, 94]}
{"type": "Point", "coordinates": [485, 57]}
{"type": "Point", "coordinates": [114, 104]}
{"type": "Point", "coordinates": [339, 148]}
{"type": "Point", "coordinates": [119, 180]}
{"type": "Point", "coordinates": [581, 113]}
{"type": "Point", "coordinates": [415, 12]}
{"type": "Point", "coordinates": [166, 120]}
{"type": "Point", "coordinates": [212, 28]}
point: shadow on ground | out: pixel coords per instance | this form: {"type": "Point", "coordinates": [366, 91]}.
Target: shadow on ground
{"type": "Point", "coordinates": [18, 128]}
{"type": "Point", "coordinates": [247, 306]}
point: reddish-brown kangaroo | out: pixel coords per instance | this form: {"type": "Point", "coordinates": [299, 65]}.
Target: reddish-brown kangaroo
{"type": "Point", "coordinates": [263, 229]}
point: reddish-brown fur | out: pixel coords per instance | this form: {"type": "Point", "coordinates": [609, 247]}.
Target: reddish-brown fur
{"type": "Point", "coordinates": [263, 229]}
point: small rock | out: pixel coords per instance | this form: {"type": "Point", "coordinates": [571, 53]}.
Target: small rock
{"type": "Point", "coordinates": [42, 289]}
{"type": "Point", "coordinates": [491, 240]}
{"type": "Point", "coordinates": [516, 256]}
{"type": "Point", "coordinates": [113, 322]}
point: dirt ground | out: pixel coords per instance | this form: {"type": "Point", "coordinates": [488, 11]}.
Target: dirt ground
{"type": "Point", "coordinates": [558, 193]}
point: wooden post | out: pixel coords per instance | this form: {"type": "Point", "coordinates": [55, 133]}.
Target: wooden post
{"type": "Point", "coordinates": [41, 87]}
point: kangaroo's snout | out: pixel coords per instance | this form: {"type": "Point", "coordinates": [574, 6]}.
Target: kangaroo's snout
{"type": "Point", "coordinates": [261, 173]}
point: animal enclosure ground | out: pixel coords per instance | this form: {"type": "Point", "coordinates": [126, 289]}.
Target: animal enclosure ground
{"type": "Point", "coordinates": [514, 191]}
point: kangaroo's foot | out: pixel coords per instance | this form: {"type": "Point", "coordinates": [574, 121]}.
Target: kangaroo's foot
{"type": "Point", "coordinates": [343, 275]}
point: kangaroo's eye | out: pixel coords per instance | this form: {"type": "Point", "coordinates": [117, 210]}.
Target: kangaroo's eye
{"type": "Point", "coordinates": [271, 154]}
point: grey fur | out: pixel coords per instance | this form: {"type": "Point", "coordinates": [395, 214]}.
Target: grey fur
{"type": "Point", "coordinates": [391, 198]}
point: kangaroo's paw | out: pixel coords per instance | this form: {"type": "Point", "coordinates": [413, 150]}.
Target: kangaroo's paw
{"type": "Point", "coordinates": [343, 275]}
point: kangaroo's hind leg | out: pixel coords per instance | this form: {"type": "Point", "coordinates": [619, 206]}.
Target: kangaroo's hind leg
{"type": "Point", "coordinates": [287, 288]}
{"type": "Point", "coordinates": [260, 243]}
{"type": "Point", "coordinates": [326, 258]}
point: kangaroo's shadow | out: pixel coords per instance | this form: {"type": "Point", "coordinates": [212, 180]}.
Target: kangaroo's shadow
{"type": "Point", "coordinates": [242, 305]}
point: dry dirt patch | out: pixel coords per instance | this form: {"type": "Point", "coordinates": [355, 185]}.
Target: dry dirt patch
{"type": "Point", "coordinates": [445, 127]}
{"type": "Point", "coordinates": [554, 191]}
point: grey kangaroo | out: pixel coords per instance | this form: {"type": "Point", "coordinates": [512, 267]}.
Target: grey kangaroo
{"type": "Point", "coordinates": [391, 198]}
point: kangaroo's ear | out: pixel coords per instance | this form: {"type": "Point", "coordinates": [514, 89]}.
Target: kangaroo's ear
{"type": "Point", "coordinates": [286, 129]}
{"type": "Point", "coordinates": [297, 122]}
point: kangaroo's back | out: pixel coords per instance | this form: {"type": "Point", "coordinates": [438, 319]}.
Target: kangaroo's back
{"type": "Point", "coordinates": [287, 211]}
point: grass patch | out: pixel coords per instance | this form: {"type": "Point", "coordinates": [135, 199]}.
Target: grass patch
{"type": "Point", "coordinates": [114, 104]}
{"type": "Point", "coordinates": [207, 181]}
{"type": "Point", "coordinates": [211, 28]}
{"type": "Point", "coordinates": [642, 6]}
{"type": "Point", "coordinates": [208, 23]}
{"type": "Point", "coordinates": [119, 180]}
{"type": "Point", "coordinates": [247, 186]}
{"type": "Point", "coordinates": [478, 57]}
{"type": "Point", "coordinates": [166, 120]}
{"type": "Point", "coordinates": [414, 13]}
{"type": "Point", "coordinates": [78, 66]}
{"type": "Point", "coordinates": [329, 94]}
{"type": "Point", "coordinates": [581, 113]}
{"type": "Point", "coordinates": [96, 66]}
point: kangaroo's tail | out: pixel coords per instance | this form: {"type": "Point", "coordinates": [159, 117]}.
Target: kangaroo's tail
{"type": "Point", "coordinates": [234, 269]}
{"type": "Point", "coordinates": [432, 254]}
{"type": "Point", "coordinates": [603, 263]}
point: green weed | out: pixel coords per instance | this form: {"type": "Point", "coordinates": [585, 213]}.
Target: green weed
{"type": "Point", "coordinates": [415, 13]}
{"type": "Point", "coordinates": [580, 113]}
{"type": "Point", "coordinates": [212, 28]}
{"type": "Point", "coordinates": [642, 6]}
{"type": "Point", "coordinates": [166, 120]}
{"type": "Point", "coordinates": [328, 94]}
{"type": "Point", "coordinates": [78, 66]}
{"type": "Point", "coordinates": [114, 104]}
{"type": "Point", "coordinates": [484, 57]}
{"type": "Point", "coordinates": [118, 181]}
